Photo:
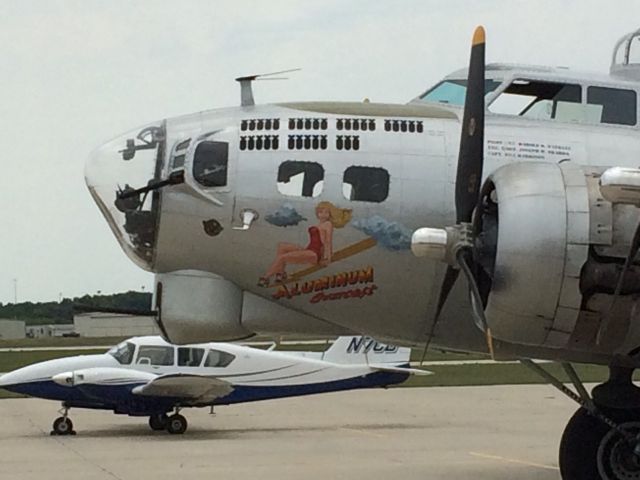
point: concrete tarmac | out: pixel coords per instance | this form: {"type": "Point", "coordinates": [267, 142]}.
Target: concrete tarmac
{"type": "Point", "coordinates": [457, 433]}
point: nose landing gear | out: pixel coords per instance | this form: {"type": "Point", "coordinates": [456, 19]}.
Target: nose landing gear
{"type": "Point", "coordinates": [63, 425]}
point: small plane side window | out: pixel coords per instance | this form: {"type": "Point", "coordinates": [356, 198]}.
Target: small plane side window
{"type": "Point", "coordinates": [541, 101]}
{"type": "Point", "coordinates": [300, 179]}
{"type": "Point", "coordinates": [158, 356]}
{"type": "Point", "coordinates": [615, 106]}
{"type": "Point", "coordinates": [190, 357]}
{"type": "Point", "coordinates": [365, 184]}
{"type": "Point", "coordinates": [210, 162]}
{"type": "Point", "coordinates": [218, 358]}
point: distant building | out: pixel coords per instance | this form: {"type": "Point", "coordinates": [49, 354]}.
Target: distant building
{"type": "Point", "coordinates": [12, 329]}
{"type": "Point", "coordinates": [51, 330]}
{"type": "Point", "coordinates": [99, 324]}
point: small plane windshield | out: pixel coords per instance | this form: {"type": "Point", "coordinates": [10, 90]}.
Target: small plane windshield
{"type": "Point", "coordinates": [452, 92]}
{"type": "Point", "coordinates": [123, 352]}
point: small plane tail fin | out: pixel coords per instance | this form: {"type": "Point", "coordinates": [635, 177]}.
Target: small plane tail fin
{"type": "Point", "coordinates": [361, 349]}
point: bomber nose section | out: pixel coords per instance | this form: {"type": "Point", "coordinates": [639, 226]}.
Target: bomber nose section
{"type": "Point", "coordinates": [114, 172]}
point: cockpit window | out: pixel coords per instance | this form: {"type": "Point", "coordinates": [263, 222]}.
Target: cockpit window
{"type": "Point", "coordinates": [300, 179]}
{"type": "Point", "coordinates": [123, 352]}
{"type": "Point", "coordinates": [152, 355]}
{"type": "Point", "coordinates": [210, 163]}
{"type": "Point", "coordinates": [541, 101]}
{"type": "Point", "coordinates": [178, 154]}
{"type": "Point", "coordinates": [613, 105]}
{"type": "Point", "coordinates": [218, 358]}
{"type": "Point", "coordinates": [190, 357]}
{"type": "Point", "coordinates": [452, 92]}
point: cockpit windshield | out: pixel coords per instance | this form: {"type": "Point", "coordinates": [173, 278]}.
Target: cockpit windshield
{"type": "Point", "coordinates": [114, 173]}
{"type": "Point", "coordinates": [452, 92]}
{"type": "Point", "coordinates": [123, 352]}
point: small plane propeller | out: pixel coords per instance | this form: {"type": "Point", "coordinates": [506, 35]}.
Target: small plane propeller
{"type": "Point", "coordinates": [467, 189]}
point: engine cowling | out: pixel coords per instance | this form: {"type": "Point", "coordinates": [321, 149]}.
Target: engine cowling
{"type": "Point", "coordinates": [551, 248]}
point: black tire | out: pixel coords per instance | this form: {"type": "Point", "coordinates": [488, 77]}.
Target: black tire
{"type": "Point", "coordinates": [158, 422]}
{"type": "Point", "coordinates": [63, 426]}
{"type": "Point", "coordinates": [176, 424]}
{"type": "Point", "coordinates": [590, 450]}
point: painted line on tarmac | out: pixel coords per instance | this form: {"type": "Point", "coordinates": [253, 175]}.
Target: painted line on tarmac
{"type": "Point", "coordinates": [513, 460]}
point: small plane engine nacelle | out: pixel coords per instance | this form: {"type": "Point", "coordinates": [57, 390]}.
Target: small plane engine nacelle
{"type": "Point", "coordinates": [549, 251]}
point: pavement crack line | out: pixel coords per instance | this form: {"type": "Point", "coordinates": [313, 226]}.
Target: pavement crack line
{"type": "Point", "coordinates": [513, 460]}
{"type": "Point", "coordinates": [76, 452]}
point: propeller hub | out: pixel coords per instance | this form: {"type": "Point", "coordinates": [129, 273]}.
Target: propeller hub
{"type": "Point", "coordinates": [442, 244]}
{"type": "Point", "coordinates": [430, 243]}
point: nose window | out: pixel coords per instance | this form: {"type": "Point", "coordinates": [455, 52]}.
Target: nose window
{"type": "Point", "coordinates": [210, 163]}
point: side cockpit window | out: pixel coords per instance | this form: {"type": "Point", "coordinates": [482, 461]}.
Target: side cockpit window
{"type": "Point", "coordinates": [179, 153]}
{"type": "Point", "coordinates": [365, 184]}
{"type": "Point", "coordinates": [218, 359]}
{"type": "Point", "coordinates": [300, 179]}
{"type": "Point", "coordinates": [157, 356]}
{"type": "Point", "coordinates": [210, 162]}
{"type": "Point", "coordinates": [190, 357]}
{"type": "Point", "coordinates": [540, 101]}
{"type": "Point", "coordinates": [123, 352]}
{"type": "Point", "coordinates": [613, 105]}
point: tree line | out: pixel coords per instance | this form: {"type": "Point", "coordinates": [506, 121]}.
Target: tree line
{"type": "Point", "coordinates": [35, 313]}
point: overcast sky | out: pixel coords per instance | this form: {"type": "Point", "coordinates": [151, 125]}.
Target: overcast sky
{"type": "Point", "coordinates": [76, 73]}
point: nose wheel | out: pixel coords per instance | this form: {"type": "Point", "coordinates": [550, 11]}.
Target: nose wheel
{"type": "Point", "coordinates": [63, 425]}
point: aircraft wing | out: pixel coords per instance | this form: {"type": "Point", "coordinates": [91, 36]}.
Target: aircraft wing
{"type": "Point", "coordinates": [198, 388]}
{"type": "Point", "coordinates": [391, 369]}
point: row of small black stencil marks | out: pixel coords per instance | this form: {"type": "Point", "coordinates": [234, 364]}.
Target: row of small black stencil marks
{"type": "Point", "coordinates": [308, 124]}
{"type": "Point", "coordinates": [355, 124]}
{"type": "Point", "coordinates": [260, 124]}
{"type": "Point", "coordinates": [307, 142]}
{"type": "Point", "coordinates": [403, 126]}
{"type": "Point", "coordinates": [259, 142]}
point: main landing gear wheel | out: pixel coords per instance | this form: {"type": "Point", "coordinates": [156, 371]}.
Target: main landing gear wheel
{"type": "Point", "coordinates": [591, 450]}
{"type": "Point", "coordinates": [158, 422]}
{"type": "Point", "coordinates": [176, 424]}
{"type": "Point", "coordinates": [63, 426]}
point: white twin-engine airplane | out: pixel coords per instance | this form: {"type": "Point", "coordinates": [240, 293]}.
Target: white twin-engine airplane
{"type": "Point", "coordinates": [146, 376]}
{"type": "Point", "coordinates": [302, 218]}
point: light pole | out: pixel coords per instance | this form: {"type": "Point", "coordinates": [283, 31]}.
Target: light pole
{"type": "Point", "coordinates": [15, 291]}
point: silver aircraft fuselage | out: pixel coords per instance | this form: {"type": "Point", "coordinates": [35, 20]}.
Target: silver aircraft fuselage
{"type": "Point", "coordinates": [389, 168]}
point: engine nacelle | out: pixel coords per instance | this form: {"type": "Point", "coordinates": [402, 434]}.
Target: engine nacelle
{"type": "Point", "coordinates": [195, 306]}
{"type": "Point", "coordinates": [552, 248]}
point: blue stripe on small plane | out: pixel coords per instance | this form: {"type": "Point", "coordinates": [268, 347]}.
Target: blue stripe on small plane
{"type": "Point", "coordinates": [120, 399]}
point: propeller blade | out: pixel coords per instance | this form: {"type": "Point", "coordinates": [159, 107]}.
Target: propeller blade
{"type": "Point", "coordinates": [450, 277]}
{"type": "Point", "coordinates": [633, 252]}
{"type": "Point", "coordinates": [470, 160]}
{"type": "Point", "coordinates": [470, 156]}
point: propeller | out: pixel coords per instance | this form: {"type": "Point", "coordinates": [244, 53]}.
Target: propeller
{"type": "Point", "coordinates": [467, 187]}
{"type": "Point", "coordinates": [633, 252]}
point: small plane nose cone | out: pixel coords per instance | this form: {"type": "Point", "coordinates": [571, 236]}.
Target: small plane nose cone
{"type": "Point", "coordinates": [65, 379]}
